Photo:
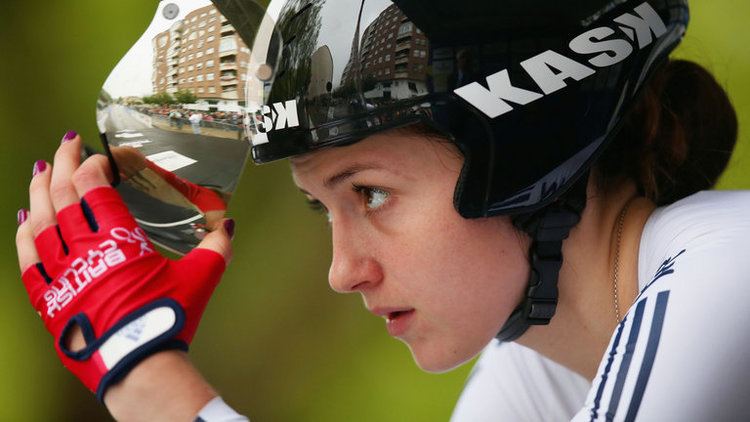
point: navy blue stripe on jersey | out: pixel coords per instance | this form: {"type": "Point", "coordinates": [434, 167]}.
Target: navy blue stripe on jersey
{"type": "Point", "coordinates": [666, 268]}
{"type": "Point", "coordinates": [605, 374]}
{"type": "Point", "coordinates": [627, 357]}
{"type": "Point", "coordinates": [657, 323]}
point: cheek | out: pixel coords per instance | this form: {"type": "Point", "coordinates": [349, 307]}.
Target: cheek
{"type": "Point", "coordinates": [467, 276]}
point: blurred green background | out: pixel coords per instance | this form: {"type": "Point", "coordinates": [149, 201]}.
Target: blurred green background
{"type": "Point", "coordinates": [275, 341]}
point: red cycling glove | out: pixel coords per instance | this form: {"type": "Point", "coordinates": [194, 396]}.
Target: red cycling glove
{"type": "Point", "coordinates": [100, 272]}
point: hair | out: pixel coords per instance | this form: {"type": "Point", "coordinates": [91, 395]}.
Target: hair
{"type": "Point", "coordinates": [676, 140]}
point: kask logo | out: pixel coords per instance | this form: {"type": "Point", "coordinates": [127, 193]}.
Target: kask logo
{"type": "Point", "coordinates": [276, 117]}
{"type": "Point", "coordinates": [550, 70]}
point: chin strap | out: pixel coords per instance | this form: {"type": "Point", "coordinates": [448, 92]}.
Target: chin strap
{"type": "Point", "coordinates": [547, 228]}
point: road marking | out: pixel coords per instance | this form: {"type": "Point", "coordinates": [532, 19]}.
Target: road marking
{"type": "Point", "coordinates": [170, 160]}
{"type": "Point", "coordinates": [135, 144]}
{"type": "Point", "coordinates": [129, 135]}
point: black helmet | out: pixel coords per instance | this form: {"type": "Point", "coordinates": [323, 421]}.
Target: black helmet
{"type": "Point", "coordinates": [529, 91]}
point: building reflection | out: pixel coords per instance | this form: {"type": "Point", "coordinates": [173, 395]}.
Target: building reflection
{"type": "Point", "coordinates": [392, 59]}
{"type": "Point", "coordinates": [203, 54]}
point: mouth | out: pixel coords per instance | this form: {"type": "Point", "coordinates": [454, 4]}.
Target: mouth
{"type": "Point", "coordinates": [392, 316]}
{"type": "Point", "coordinates": [397, 321]}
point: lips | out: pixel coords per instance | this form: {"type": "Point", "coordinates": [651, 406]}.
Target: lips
{"type": "Point", "coordinates": [397, 320]}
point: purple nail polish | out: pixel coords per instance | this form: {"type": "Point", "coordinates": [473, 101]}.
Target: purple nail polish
{"type": "Point", "coordinates": [69, 136]}
{"type": "Point", "coordinates": [39, 167]}
{"type": "Point", "coordinates": [22, 216]}
{"type": "Point", "coordinates": [229, 227]}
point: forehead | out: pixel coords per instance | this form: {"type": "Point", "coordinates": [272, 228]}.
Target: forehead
{"type": "Point", "coordinates": [397, 150]}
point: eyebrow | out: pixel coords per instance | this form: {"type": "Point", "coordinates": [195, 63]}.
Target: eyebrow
{"type": "Point", "coordinates": [348, 172]}
{"type": "Point", "coordinates": [345, 174]}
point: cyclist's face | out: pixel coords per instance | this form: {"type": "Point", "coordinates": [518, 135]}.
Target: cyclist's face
{"type": "Point", "coordinates": [445, 284]}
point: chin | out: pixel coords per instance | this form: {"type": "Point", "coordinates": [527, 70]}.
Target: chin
{"type": "Point", "coordinates": [439, 358]}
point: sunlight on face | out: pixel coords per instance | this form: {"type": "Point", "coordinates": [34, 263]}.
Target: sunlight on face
{"type": "Point", "coordinates": [444, 284]}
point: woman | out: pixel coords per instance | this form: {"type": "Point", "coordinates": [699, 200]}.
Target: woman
{"type": "Point", "coordinates": [451, 209]}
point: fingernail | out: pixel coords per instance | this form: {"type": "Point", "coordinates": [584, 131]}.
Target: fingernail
{"type": "Point", "coordinates": [39, 167]}
{"type": "Point", "coordinates": [229, 227]}
{"type": "Point", "coordinates": [69, 136]}
{"type": "Point", "coordinates": [22, 216]}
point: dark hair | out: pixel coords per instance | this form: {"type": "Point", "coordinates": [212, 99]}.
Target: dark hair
{"type": "Point", "coordinates": [678, 138]}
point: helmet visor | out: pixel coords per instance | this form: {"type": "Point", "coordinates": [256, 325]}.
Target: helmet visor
{"type": "Point", "coordinates": [171, 115]}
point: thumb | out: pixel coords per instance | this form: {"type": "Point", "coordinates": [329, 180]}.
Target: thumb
{"type": "Point", "coordinates": [220, 240]}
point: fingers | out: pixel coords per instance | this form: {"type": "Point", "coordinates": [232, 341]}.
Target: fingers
{"type": "Point", "coordinates": [42, 212]}
{"type": "Point", "coordinates": [95, 172]}
{"type": "Point", "coordinates": [67, 159]}
{"type": "Point", "coordinates": [220, 241]}
{"type": "Point", "coordinates": [27, 255]}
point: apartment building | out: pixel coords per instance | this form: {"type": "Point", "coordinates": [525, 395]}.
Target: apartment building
{"type": "Point", "coordinates": [202, 53]}
{"type": "Point", "coordinates": [394, 53]}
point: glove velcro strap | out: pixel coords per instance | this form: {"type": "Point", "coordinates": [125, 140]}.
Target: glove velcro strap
{"type": "Point", "coordinates": [142, 333]}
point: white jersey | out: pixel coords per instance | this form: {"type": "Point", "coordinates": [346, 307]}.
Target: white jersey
{"type": "Point", "coordinates": [682, 351]}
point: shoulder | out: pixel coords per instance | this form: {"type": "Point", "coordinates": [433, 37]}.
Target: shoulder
{"type": "Point", "coordinates": [512, 382]}
{"type": "Point", "coordinates": [680, 352]}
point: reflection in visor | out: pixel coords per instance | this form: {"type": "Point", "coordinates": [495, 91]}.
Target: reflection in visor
{"type": "Point", "coordinates": [172, 113]}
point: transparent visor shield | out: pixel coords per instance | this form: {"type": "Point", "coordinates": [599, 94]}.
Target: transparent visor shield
{"type": "Point", "coordinates": [173, 117]}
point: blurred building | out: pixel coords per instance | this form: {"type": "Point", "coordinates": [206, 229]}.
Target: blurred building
{"type": "Point", "coordinates": [203, 54]}
{"type": "Point", "coordinates": [393, 57]}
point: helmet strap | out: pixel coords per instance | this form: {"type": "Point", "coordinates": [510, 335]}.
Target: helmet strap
{"type": "Point", "coordinates": [547, 228]}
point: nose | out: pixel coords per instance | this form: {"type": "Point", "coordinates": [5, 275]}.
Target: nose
{"type": "Point", "coordinates": [353, 265]}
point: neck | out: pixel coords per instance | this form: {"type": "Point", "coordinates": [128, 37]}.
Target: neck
{"type": "Point", "coordinates": [579, 333]}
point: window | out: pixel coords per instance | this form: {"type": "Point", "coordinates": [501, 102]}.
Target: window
{"type": "Point", "coordinates": [390, 36]}
{"type": "Point", "coordinates": [195, 18]}
{"type": "Point", "coordinates": [191, 57]}
{"type": "Point", "coordinates": [211, 28]}
{"type": "Point", "coordinates": [199, 78]}
{"type": "Point", "coordinates": [182, 70]}
{"type": "Point", "coordinates": [198, 55]}
{"type": "Point", "coordinates": [405, 28]}
{"type": "Point", "coordinates": [200, 90]}
{"type": "Point", "coordinates": [161, 81]}
{"type": "Point", "coordinates": [202, 24]}
{"type": "Point", "coordinates": [211, 90]}
{"type": "Point", "coordinates": [210, 39]}
{"type": "Point", "coordinates": [190, 68]}
{"type": "Point", "coordinates": [387, 57]}
{"type": "Point", "coordinates": [191, 79]}
{"type": "Point", "coordinates": [227, 44]}
{"type": "Point", "coordinates": [162, 41]}
{"type": "Point", "coordinates": [422, 53]}
{"type": "Point", "coordinates": [199, 66]}
{"type": "Point", "coordinates": [416, 53]}
{"type": "Point", "coordinates": [193, 35]}
{"type": "Point", "coordinates": [387, 70]}
{"type": "Point", "coordinates": [182, 81]}
{"type": "Point", "coordinates": [209, 76]}
{"type": "Point", "coordinates": [212, 12]}
{"type": "Point", "coordinates": [210, 51]}
{"type": "Point", "coordinates": [209, 63]}
{"type": "Point", "coordinates": [182, 60]}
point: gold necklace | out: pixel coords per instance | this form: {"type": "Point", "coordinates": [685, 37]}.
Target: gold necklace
{"type": "Point", "coordinates": [620, 224]}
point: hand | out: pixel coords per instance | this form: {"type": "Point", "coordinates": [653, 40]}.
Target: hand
{"type": "Point", "coordinates": [129, 161]}
{"type": "Point", "coordinates": [87, 265]}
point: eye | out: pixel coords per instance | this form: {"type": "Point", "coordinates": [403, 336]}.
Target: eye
{"type": "Point", "coordinates": [374, 198]}
{"type": "Point", "coordinates": [318, 207]}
